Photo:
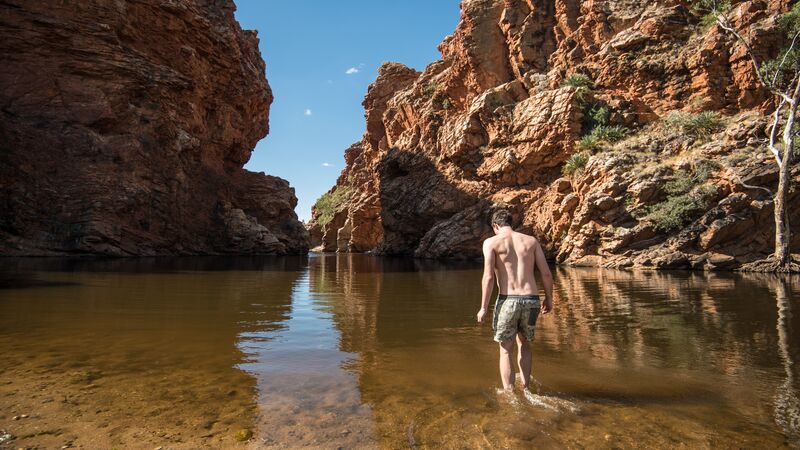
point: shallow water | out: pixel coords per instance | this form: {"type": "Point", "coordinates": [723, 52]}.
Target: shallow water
{"type": "Point", "coordinates": [357, 351]}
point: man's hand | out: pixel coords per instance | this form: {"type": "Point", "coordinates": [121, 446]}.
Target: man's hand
{"type": "Point", "coordinates": [481, 314]}
{"type": "Point", "coordinates": [547, 306]}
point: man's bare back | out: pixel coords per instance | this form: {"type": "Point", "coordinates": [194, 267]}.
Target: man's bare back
{"type": "Point", "coordinates": [515, 260]}
{"type": "Point", "coordinates": [510, 259]}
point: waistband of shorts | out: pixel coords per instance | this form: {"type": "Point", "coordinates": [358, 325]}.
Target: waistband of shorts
{"type": "Point", "coordinates": [517, 297]}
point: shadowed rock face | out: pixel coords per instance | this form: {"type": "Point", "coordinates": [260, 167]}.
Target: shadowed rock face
{"type": "Point", "coordinates": [493, 123]}
{"type": "Point", "coordinates": [124, 127]}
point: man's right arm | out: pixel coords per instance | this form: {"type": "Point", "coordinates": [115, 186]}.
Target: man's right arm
{"type": "Point", "coordinates": [487, 281]}
{"type": "Point", "coordinates": [547, 279]}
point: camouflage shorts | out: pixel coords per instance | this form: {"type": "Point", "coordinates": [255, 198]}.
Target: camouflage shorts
{"type": "Point", "coordinates": [515, 314]}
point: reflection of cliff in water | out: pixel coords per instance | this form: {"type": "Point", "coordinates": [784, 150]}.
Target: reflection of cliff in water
{"type": "Point", "coordinates": [660, 319]}
{"type": "Point", "coordinates": [654, 342]}
{"type": "Point", "coordinates": [144, 344]}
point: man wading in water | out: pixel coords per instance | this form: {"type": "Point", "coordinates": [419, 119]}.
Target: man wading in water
{"type": "Point", "coordinates": [510, 258]}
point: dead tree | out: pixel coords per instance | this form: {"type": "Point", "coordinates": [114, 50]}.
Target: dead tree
{"type": "Point", "coordinates": [781, 76]}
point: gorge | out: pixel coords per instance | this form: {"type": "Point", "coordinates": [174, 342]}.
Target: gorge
{"type": "Point", "coordinates": [621, 133]}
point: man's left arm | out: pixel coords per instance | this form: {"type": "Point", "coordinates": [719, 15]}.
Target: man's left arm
{"type": "Point", "coordinates": [487, 282]}
{"type": "Point", "coordinates": [547, 278]}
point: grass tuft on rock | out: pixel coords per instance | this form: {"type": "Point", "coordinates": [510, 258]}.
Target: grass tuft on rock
{"type": "Point", "coordinates": [575, 164]}
{"type": "Point", "coordinates": [702, 124]}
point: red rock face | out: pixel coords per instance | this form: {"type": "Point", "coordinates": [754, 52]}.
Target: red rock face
{"type": "Point", "coordinates": [493, 123]}
{"type": "Point", "coordinates": [125, 127]}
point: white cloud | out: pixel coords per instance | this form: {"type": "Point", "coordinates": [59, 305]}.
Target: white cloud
{"type": "Point", "coordinates": [351, 71]}
{"type": "Point", "coordinates": [307, 112]}
{"type": "Point", "coordinates": [327, 165]}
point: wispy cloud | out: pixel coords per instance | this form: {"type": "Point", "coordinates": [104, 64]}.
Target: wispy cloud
{"type": "Point", "coordinates": [307, 112]}
{"type": "Point", "coordinates": [330, 81]}
{"type": "Point", "coordinates": [327, 165]}
{"type": "Point", "coordinates": [351, 71]}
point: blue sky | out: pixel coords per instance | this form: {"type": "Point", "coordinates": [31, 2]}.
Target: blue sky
{"type": "Point", "coordinates": [321, 56]}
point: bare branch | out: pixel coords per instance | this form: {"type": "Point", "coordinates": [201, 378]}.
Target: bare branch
{"type": "Point", "coordinates": [723, 22]}
{"type": "Point", "coordinates": [785, 55]}
{"type": "Point", "coordinates": [739, 180]}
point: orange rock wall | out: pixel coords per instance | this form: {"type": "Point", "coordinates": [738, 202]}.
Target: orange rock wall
{"type": "Point", "coordinates": [491, 124]}
{"type": "Point", "coordinates": [124, 128]}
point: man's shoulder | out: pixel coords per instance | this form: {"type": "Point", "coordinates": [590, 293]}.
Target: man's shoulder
{"type": "Point", "coordinates": [527, 237]}
{"type": "Point", "coordinates": [489, 240]}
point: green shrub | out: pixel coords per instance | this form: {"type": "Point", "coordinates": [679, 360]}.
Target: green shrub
{"type": "Point", "coordinates": [698, 125]}
{"type": "Point", "coordinates": [681, 183]}
{"type": "Point", "coordinates": [707, 21]}
{"type": "Point", "coordinates": [575, 164]}
{"type": "Point", "coordinates": [703, 168]}
{"type": "Point", "coordinates": [595, 128]}
{"type": "Point", "coordinates": [441, 100]}
{"type": "Point", "coordinates": [600, 134]}
{"type": "Point", "coordinates": [781, 68]}
{"type": "Point", "coordinates": [672, 213]}
{"type": "Point", "coordinates": [597, 114]}
{"type": "Point", "coordinates": [589, 143]}
{"type": "Point", "coordinates": [708, 10]}
{"type": "Point", "coordinates": [431, 88]}
{"type": "Point", "coordinates": [610, 133]}
{"type": "Point", "coordinates": [578, 80]}
{"type": "Point", "coordinates": [330, 202]}
{"type": "Point", "coordinates": [446, 103]}
{"type": "Point", "coordinates": [581, 82]}
{"type": "Point", "coordinates": [702, 124]}
{"type": "Point", "coordinates": [685, 198]}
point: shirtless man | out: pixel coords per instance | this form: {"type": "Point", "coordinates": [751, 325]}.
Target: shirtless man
{"type": "Point", "coordinates": [510, 258]}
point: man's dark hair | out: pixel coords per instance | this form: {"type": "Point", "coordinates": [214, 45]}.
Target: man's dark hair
{"type": "Point", "coordinates": [502, 218]}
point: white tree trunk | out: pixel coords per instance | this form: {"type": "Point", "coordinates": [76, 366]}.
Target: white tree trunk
{"type": "Point", "coordinates": [782, 230]}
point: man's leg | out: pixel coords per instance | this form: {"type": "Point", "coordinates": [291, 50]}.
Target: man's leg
{"type": "Point", "coordinates": [524, 359]}
{"type": "Point", "coordinates": [506, 371]}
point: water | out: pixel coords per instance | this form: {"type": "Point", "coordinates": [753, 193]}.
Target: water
{"type": "Point", "coordinates": [356, 351]}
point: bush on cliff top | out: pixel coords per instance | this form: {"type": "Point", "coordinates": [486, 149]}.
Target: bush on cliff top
{"type": "Point", "coordinates": [330, 202]}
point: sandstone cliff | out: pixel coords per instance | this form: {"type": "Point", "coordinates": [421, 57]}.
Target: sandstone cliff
{"type": "Point", "coordinates": [124, 127]}
{"type": "Point", "coordinates": [658, 125]}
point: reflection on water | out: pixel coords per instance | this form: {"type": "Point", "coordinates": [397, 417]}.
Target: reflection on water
{"type": "Point", "coordinates": [787, 401]}
{"type": "Point", "coordinates": [360, 351]}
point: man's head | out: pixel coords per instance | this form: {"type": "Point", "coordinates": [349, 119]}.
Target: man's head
{"type": "Point", "coordinates": [501, 218]}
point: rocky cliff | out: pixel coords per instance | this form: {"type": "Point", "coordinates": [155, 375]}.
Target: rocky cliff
{"type": "Point", "coordinates": [623, 133]}
{"type": "Point", "coordinates": [124, 127]}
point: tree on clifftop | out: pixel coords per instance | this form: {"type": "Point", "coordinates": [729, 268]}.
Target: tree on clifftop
{"type": "Point", "coordinates": [781, 76]}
